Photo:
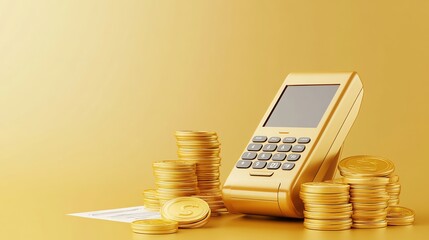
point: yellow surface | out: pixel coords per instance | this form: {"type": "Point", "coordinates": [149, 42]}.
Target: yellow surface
{"type": "Point", "coordinates": [91, 93]}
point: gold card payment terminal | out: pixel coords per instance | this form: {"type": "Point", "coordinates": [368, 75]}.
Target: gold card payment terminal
{"type": "Point", "coordinates": [298, 140]}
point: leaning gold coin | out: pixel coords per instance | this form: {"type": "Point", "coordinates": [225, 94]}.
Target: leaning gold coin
{"type": "Point", "coordinates": [185, 210]}
{"type": "Point", "coordinates": [366, 166]}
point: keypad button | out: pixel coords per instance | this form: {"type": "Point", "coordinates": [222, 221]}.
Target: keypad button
{"type": "Point", "coordinates": [293, 157]}
{"type": "Point", "coordinates": [298, 148]}
{"type": "Point", "coordinates": [264, 156]}
{"type": "Point", "coordinates": [304, 140]}
{"type": "Point", "coordinates": [249, 156]}
{"type": "Point", "coordinates": [279, 157]}
{"type": "Point", "coordinates": [273, 165]}
{"type": "Point", "coordinates": [243, 164]}
{"type": "Point", "coordinates": [254, 147]}
{"type": "Point", "coordinates": [288, 166]}
{"type": "Point", "coordinates": [259, 165]}
{"type": "Point", "coordinates": [274, 140]}
{"type": "Point", "coordinates": [259, 139]}
{"type": "Point", "coordinates": [285, 148]}
{"type": "Point", "coordinates": [289, 140]}
{"type": "Point", "coordinates": [269, 147]}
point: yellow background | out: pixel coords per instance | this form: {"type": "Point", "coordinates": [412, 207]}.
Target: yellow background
{"type": "Point", "coordinates": [92, 91]}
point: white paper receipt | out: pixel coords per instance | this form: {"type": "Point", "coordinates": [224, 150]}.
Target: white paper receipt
{"type": "Point", "coordinates": [128, 215]}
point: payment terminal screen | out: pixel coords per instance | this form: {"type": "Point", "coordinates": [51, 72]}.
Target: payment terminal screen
{"type": "Point", "coordinates": [301, 106]}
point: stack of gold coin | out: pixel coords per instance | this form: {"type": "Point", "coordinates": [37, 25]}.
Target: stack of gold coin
{"type": "Point", "coordinates": [175, 178]}
{"type": "Point", "coordinates": [368, 177]}
{"type": "Point", "coordinates": [393, 189]}
{"type": "Point", "coordinates": [154, 226]}
{"type": "Point", "coordinates": [150, 199]}
{"type": "Point", "coordinates": [189, 212]}
{"type": "Point", "coordinates": [326, 206]}
{"type": "Point", "coordinates": [203, 148]}
{"type": "Point", "coordinates": [399, 216]}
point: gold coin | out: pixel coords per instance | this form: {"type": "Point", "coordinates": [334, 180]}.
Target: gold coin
{"type": "Point", "coordinates": [393, 203]}
{"type": "Point", "coordinates": [371, 197]}
{"type": "Point", "coordinates": [323, 195]}
{"type": "Point", "coordinates": [172, 163]}
{"type": "Point", "coordinates": [203, 142]}
{"type": "Point", "coordinates": [177, 184]}
{"type": "Point", "coordinates": [197, 141]}
{"type": "Point", "coordinates": [378, 224]}
{"type": "Point", "coordinates": [164, 175]}
{"type": "Point", "coordinates": [186, 134]}
{"type": "Point", "coordinates": [369, 206]}
{"type": "Point", "coordinates": [174, 195]}
{"type": "Point", "coordinates": [368, 220]}
{"type": "Point", "coordinates": [394, 178]}
{"type": "Point", "coordinates": [194, 133]}
{"type": "Point", "coordinates": [201, 159]}
{"type": "Point", "coordinates": [154, 226]}
{"type": "Point", "coordinates": [369, 200]}
{"type": "Point", "coordinates": [336, 180]}
{"type": "Point", "coordinates": [329, 221]}
{"type": "Point", "coordinates": [325, 227]}
{"type": "Point", "coordinates": [327, 202]}
{"type": "Point", "coordinates": [374, 213]}
{"type": "Point", "coordinates": [328, 209]}
{"type": "Point", "coordinates": [185, 210]}
{"type": "Point", "coordinates": [197, 224]}
{"type": "Point", "coordinates": [323, 187]}
{"type": "Point", "coordinates": [402, 223]}
{"type": "Point", "coordinates": [199, 146]}
{"type": "Point", "coordinates": [367, 180]}
{"type": "Point", "coordinates": [366, 166]}
{"type": "Point", "coordinates": [358, 188]}
{"type": "Point", "coordinates": [154, 232]}
{"type": "Point", "coordinates": [393, 186]}
{"type": "Point", "coordinates": [399, 216]}
{"type": "Point", "coordinates": [336, 206]}
{"type": "Point", "coordinates": [368, 193]}
{"type": "Point", "coordinates": [319, 215]}
{"type": "Point", "coordinates": [150, 191]}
